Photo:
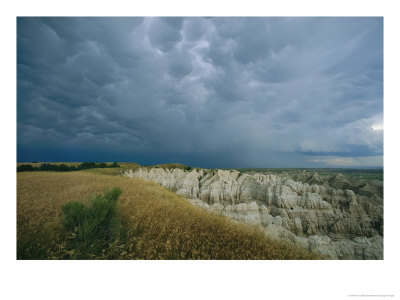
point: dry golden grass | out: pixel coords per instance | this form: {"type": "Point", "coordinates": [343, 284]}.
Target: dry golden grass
{"type": "Point", "coordinates": [113, 171]}
{"type": "Point", "coordinates": [102, 171]}
{"type": "Point", "coordinates": [159, 224]}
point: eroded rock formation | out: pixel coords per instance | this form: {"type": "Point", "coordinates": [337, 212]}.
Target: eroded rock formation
{"type": "Point", "coordinates": [333, 221]}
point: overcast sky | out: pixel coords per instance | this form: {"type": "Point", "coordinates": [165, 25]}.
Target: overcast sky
{"type": "Point", "coordinates": [206, 92]}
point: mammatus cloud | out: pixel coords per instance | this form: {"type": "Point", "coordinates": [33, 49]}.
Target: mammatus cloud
{"type": "Point", "coordinates": [215, 92]}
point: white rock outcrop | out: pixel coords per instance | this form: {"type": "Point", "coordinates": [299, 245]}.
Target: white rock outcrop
{"type": "Point", "coordinates": [334, 222]}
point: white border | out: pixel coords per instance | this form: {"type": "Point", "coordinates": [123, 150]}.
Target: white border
{"type": "Point", "coordinates": [199, 279]}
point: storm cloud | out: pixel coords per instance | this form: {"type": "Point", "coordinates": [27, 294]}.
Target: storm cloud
{"type": "Point", "coordinates": [208, 92]}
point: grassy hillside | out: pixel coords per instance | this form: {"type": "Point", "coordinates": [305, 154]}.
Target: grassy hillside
{"type": "Point", "coordinates": [157, 223]}
{"type": "Point", "coordinates": [102, 170]}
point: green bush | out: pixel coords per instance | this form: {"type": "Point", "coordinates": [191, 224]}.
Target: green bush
{"type": "Point", "coordinates": [64, 168]}
{"type": "Point", "coordinates": [74, 214]}
{"type": "Point", "coordinates": [24, 168]}
{"type": "Point", "coordinates": [93, 227]}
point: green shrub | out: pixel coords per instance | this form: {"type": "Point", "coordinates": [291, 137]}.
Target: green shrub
{"type": "Point", "coordinates": [47, 167]}
{"type": "Point", "coordinates": [93, 227]}
{"type": "Point", "coordinates": [64, 168]}
{"type": "Point", "coordinates": [87, 165]}
{"type": "Point", "coordinates": [24, 168]}
{"type": "Point", "coordinates": [74, 214]}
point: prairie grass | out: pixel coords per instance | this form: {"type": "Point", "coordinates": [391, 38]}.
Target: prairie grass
{"type": "Point", "coordinates": [92, 227]}
{"type": "Point", "coordinates": [157, 223]}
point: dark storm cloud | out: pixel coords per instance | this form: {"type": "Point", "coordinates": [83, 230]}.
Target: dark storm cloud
{"type": "Point", "coordinates": [215, 92]}
{"type": "Point", "coordinates": [164, 33]}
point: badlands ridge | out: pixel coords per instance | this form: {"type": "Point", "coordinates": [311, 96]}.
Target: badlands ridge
{"type": "Point", "coordinates": [332, 216]}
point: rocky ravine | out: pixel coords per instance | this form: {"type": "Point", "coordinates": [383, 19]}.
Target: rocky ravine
{"type": "Point", "coordinates": [334, 222]}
